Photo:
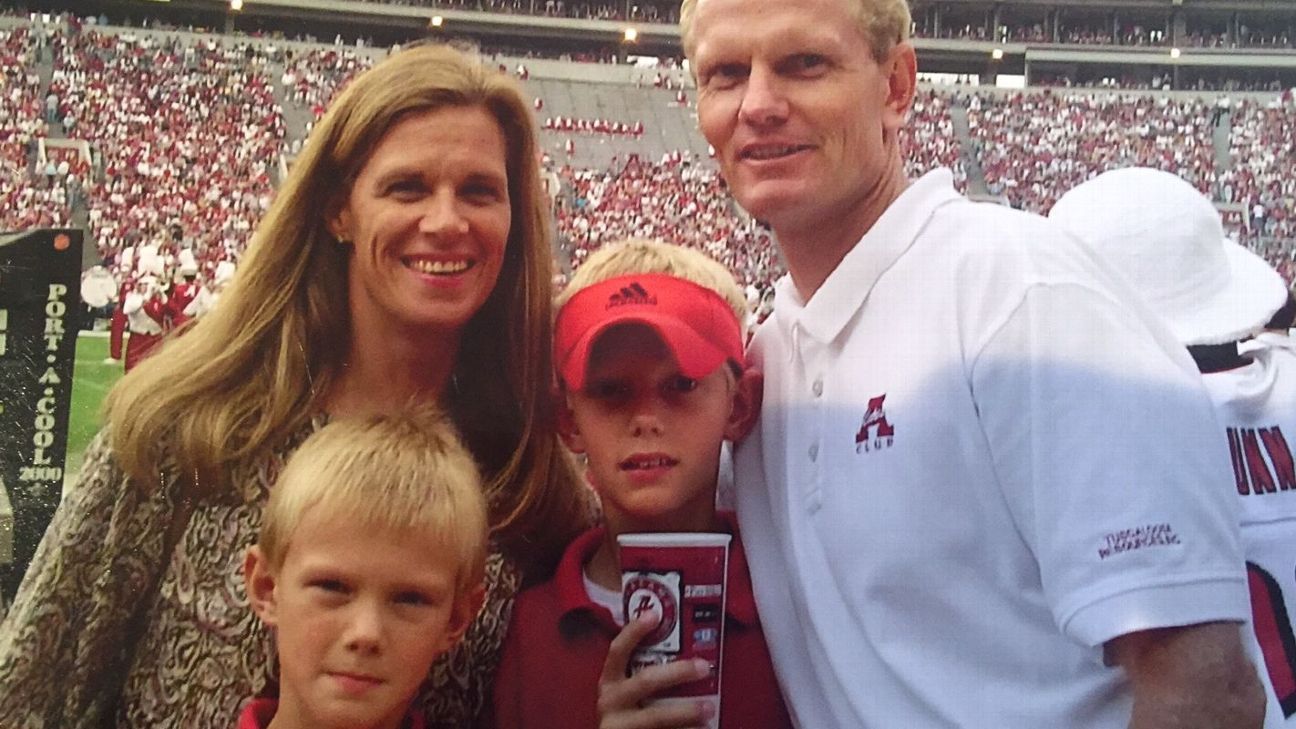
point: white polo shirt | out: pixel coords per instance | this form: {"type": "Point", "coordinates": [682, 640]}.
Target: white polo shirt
{"type": "Point", "coordinates": [977, 462]}
{"type": "Point", "coordinates": [1256, 405]}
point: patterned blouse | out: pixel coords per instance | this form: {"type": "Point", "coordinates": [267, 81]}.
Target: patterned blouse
{"type": "Point", "coordinates": [65, 659]}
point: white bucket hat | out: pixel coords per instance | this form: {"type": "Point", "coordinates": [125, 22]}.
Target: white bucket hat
{"type": "Point", "coordinates": [1167, 239]}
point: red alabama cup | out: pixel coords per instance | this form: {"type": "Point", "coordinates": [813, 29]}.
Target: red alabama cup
{"type": "Point", "coordinates": [680, 578]}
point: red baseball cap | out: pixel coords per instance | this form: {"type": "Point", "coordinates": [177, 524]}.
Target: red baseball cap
{"type": "Point", "coordinates": [696, 323]}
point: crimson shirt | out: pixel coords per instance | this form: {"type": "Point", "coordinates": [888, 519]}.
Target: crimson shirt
{"type": "Point", "coordinates": [558, 639]}
{"type": "Point", "coordinates": [258, 713]}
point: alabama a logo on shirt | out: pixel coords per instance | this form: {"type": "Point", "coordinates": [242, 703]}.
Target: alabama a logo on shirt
{"type": "Point", "coordinates": [876, 432]}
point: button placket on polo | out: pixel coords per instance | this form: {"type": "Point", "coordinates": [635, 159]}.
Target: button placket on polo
{"type": "Point", "coordinates": [801, 423]}
{"type": "Point", "coordinates": [807, 353]}
{"type": "Point", "coordinates": [816, 390]}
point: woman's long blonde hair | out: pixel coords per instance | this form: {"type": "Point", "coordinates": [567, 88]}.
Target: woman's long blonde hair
{"type": "Point", "coordinates": [254, 370]}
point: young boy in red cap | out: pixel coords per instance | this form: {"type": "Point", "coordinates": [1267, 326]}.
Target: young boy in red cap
{"type": "Point", "coordinates": [649, 349]}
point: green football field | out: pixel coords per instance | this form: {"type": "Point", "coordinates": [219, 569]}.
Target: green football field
{"type": "Point", "coordinates": [90, 382]}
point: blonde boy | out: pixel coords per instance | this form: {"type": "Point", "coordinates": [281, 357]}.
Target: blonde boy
{"type": "Point", "coordinates": [649, 349]}
{"type": "Point", "coordinates": [368, 567]}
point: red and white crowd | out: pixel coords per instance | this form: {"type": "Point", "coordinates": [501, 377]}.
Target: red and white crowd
{"type": "Point", "coordinates": [1035, 145]}
{"type": "Point", "coordinates": [28, 197]}
{"type": "Point", "coordinates": [1263, 147]}
{"type": "Point", "coordinates": [186, 135]}
{"type": "Point", "coordinates": [929, 140]}
{"type": "Point", "coordinates": [677, 199]}
{"type": "Point", "coordinates": [599, 126]}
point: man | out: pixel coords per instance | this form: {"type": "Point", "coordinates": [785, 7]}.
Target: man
{"type": "Point", "coordinates": [99, 293]}
{"type": "Point", "coordinates": [141, 308]}
{"type": "Point", "coordinates": [984, 492]}
{"type": "Point", "coordinates": [1218, 298]}
{"type": "Point", "coordinates": [184, 290]}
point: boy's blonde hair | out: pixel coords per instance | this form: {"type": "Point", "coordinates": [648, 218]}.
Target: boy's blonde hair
{"type": "Point", "coordinates": [405, 472]}
{"type": "Point", "coordinates": [641, 255]}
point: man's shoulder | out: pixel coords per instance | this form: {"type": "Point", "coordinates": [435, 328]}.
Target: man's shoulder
{"type": "Point", "coordinates": [986, 243]}
{"type": "Point", "coordinates": [989, 224]}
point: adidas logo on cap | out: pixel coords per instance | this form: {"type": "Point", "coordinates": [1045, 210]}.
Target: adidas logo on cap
{"type": "Point", "coordinates": [629, 295]}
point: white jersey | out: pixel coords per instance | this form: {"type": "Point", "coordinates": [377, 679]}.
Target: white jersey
{"type": "Point", "coordinates": [978, 460]}
{"type": "Point", "coordinates": [1256, 405]}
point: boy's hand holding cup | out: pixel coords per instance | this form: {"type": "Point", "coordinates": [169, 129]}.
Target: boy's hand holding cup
{"type": "Point", "coordinates": [673, 593]}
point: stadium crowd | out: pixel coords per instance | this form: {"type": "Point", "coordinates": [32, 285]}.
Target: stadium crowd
{"type": "Point", "coordinates": [168, 148]}
{"type": "Point", "coordinates": [1261, 180]}
{"type": "Point", "coordinates": [677, 199]}
{"type": "Point", "coordinates": [185, 136]}
{"type": "Point", "coordinates": [928, 140]}
{"type": "Point", "coordinates": [28, 196]}
{"type": "Point", "coordinates": [1033, 146]}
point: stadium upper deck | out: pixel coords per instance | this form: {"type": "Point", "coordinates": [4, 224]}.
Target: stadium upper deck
{"type": "Point", "coordinates": [1181, 43]}
{"type": "Point", "coordinates": [1021, 147]}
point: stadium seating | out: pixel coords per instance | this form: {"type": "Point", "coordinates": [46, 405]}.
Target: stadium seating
{"type": "Point", "coordinates": [1033, 146]}
{"type": "Point", "coordinates": [188, 131]}
{"type": "Point", "coordinates": [1263, 148]}
{"type": "Point", "coordinates": [677, 199]}
{"type": "Point", "coordinates": [28, 197]}
{"type": "Point", "coordinates": [928, 140]}
{"type": "Point", "coordinates": [186, 134]}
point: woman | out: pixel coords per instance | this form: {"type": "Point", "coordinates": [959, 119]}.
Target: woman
{"type": "Point", "coordinates": [404, 260]}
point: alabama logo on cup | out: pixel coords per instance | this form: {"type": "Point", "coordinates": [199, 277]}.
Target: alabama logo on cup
{"type": "Point", "coordinates": [656, 593]}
